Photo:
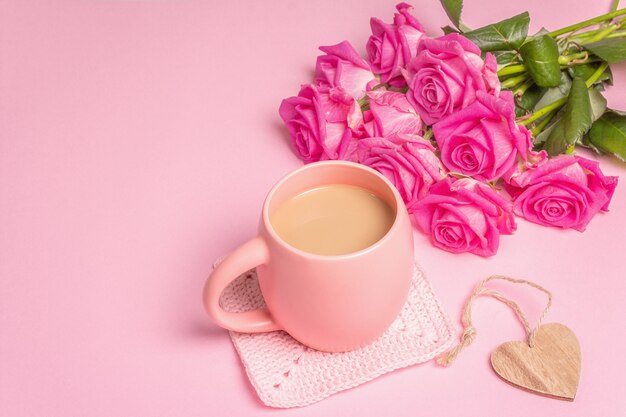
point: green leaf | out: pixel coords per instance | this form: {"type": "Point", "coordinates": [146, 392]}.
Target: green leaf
{"type": "Point", "coordinates": [541, 57]}
{"type": "Point", "coordinates": [597, 102]}
{"type": "Point", "coordinates": [584, 142]}
{"type": "Point", "coordinates": [576, 120]}
{"type": "Point", "coordinates": [607, 76]}
{"type": "Point", "coordinates": [502, 36]}
{"type": "Point", "coordinates": [528, 101]}
{"type": "Point", "coordinates": [555, 93]}
{"type": "Point", "coordinates": [453, 9]}
{"type": "Point", "coordinates": [611, 50]}
{"type": "Point", "coordinates": [505, 57]}
{"type": "Point", "coordinates": [608, 134]}
{"type": "Point", "coordinates": [449, 29]}
{"type": "Point", "coordinates": [586, 70]}
{"type": "Point", "coordinates": [542, 137]}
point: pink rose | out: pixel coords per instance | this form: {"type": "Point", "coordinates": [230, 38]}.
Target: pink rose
{"type": "Point", "coordinates": [465, 215]}
{"type": "Point", "coordinates": [409, 162]}
{"type": "Point", "coordinates": [392, 46]}
{"type": "Point", "coordinates": [343, 67]}
{"type": "Point", "coordinates": [391, 113]}
{"type": "Point", "coordinates": [482, 140]}
{"type": "Point", "coordinates": [322, 125]}
{"type": "Point", "coordinates": [446, 74]}
{"type": "Point", "coordinates": [565, 191]}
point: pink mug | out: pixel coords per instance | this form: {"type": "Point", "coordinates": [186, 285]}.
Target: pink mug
{"type": "Point", "coordinates": [330, 303]}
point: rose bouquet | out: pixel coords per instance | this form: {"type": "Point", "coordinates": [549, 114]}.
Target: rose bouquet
{"type": "Point", "coordinates": [475, 126]}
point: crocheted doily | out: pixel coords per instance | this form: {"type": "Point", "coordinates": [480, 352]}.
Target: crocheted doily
{"type": "Point", "coordinates": [286, 373]}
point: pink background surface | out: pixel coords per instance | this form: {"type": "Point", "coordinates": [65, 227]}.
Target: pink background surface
{"type": "Point", "coordinates": [137, 142]}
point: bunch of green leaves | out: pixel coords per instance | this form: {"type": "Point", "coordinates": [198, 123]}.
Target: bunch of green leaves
{"type": "Point", "coordinates": [558, 77]}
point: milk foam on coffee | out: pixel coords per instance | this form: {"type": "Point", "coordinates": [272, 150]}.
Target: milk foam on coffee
{"type": "Point", "coordinates": [333, 219]}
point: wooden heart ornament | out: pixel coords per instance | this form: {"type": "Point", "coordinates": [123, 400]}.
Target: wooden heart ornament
{"type": "Point", "coordinates": [551, 367]}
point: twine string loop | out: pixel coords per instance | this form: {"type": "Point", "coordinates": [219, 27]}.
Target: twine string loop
{"type": "Point", "coordinates": [481, 290]}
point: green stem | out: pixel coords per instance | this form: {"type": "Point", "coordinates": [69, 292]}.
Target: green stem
{"type": "Point", "coordinates": [511, 69]}
{"type": "Point", "coordinates": [522, 88]}
{"type": "Point", "coordinates": [509, 83]}
{"type": "Point", "coordinates": [614, 5]}
{"type": "Point", "coordinates": [602, 34]}
{"type": "Point", "coordinates": [560, 102]}
{"type": "Point", "coordinates": [621, 34]}
{"type": "Point", "coordinates": [596, 75]}
{"type": "Point", "coordinates": [428, 134]}
{"type": "Point", "coordinates": [583, 36]}
{"type": "Point", "coordinates": [586, 61]}
{"type": "Point", "coordinates": [570, 149]}
{"type": "Point", "coordinates": [539, 128]}
{"type": "Point", "coordinates": [464, 28]}
{"type": "Point", "coordinates": [566, 59]}
{"type": "Point", "coordinates": [544, 110]}
{"type": "Point", "coordinates": [595, 20]}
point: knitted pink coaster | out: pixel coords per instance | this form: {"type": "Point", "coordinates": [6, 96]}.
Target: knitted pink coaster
{"type": "Point", "coordinates": [286, 373]}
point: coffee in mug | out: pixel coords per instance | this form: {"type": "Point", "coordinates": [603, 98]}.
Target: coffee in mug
{"type": "Point", "coordinates": [333, 219]}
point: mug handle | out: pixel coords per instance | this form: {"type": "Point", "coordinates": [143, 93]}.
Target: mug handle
{"type": "Point", "coordinates": [252, 253]}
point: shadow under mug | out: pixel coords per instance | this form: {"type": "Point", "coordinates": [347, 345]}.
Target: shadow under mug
{"type": "Point", "coordinates": [330, 303]}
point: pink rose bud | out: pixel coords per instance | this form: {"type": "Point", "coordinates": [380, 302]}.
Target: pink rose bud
{"type": "Point", "coordinates": [392, 46]}
{"type": "Point", "coordinates": [323, 125]}
{"type": "Point", "coordinates": [465, 215]}
{"type": "Point", "coordinates": [565, 191]}
{"type": "Point", "coordinates": [446, 74]}
{"type": "Point", "coordinates": [482, 140]}
{"type": "Point", "coordinates": [409, 162]}
{"type": "Point", "coordinates": [390, 114]}
{"type": "Point", "coordinates": [343, 67]}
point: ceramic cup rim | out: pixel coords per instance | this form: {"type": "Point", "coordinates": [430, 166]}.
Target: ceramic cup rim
{"type": "Point", "coordinates": [314, 166]}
